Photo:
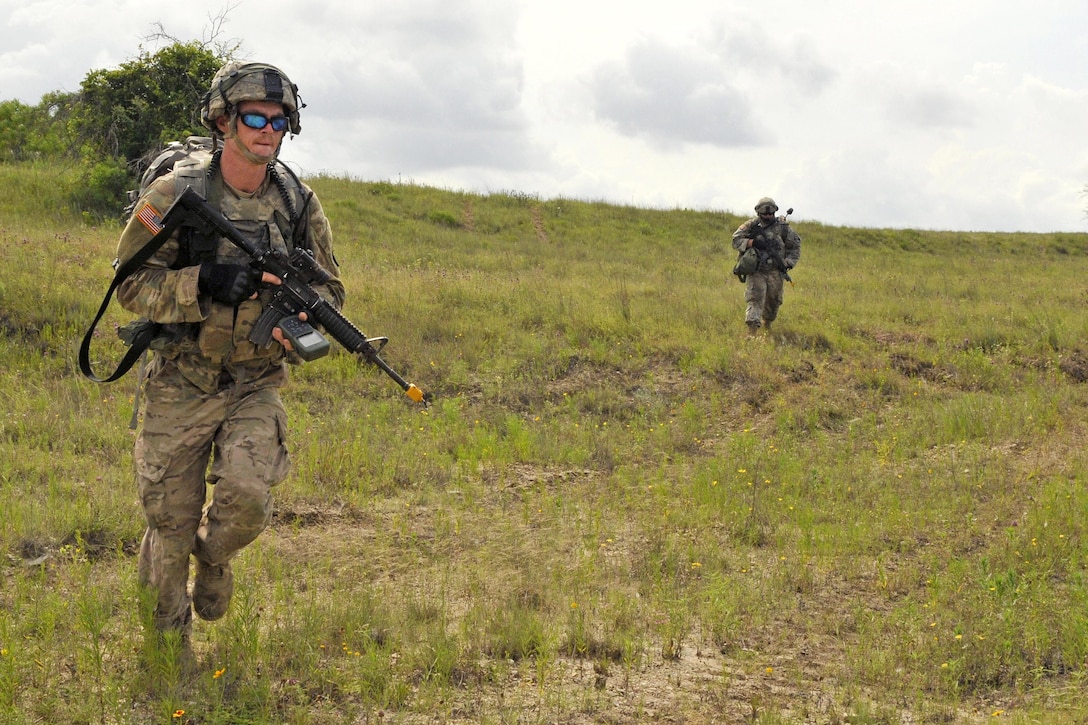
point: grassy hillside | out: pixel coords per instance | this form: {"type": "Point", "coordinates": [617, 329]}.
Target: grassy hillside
{"type": "Point", "coordinates": [620, 508]}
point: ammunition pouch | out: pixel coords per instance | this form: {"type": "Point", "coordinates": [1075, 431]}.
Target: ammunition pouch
{"type": "Point", "coordinates": [143, 334]}
{"type": "Point", "coordinates": [139, 333]}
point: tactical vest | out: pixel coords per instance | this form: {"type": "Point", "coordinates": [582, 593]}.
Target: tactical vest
{"type": "Point", "coordinates": [196, 165]}
{"type": "Point", "coordinates": [224, 334]}
{"type": "Point", "coordinates": [201, 172]}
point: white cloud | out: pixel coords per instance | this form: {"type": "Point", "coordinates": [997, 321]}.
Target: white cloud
{"type": "Point", "coordinates": [671, 99]}
{"type": "Point", "coordinates": [930, 115]}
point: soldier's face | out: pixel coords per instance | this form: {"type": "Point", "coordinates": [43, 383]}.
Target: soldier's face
{"type": "Point", "coordinates": [263, 142]}
{"type": "Point", "coordinates": [258, 145]}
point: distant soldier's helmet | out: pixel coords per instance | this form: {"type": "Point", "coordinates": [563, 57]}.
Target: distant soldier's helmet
{"type": "Point", "coordinates": [236, 82]}
{"type": "Point", "coordinates": [766, 205]}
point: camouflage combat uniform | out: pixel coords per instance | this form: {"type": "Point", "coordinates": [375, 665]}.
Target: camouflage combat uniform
{"type": "Point", "coordinates": [210, 395]}
{"type": "Point", "coordinates": [763, 288]}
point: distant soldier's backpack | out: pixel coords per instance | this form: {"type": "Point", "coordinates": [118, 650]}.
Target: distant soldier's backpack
{"type": "Point", "coordinates": [747, 263]}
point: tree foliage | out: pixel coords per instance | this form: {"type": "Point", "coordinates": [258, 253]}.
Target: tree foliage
{"type": "Point", "coordinates": [29, 133]}
{"type": "Point", "coordinates": [121, 117]}
{"type": "Point", "coordinates": [131, 111]}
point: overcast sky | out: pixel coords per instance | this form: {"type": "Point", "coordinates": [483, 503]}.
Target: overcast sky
{"type": "Point", "coordinates": [928, 114]}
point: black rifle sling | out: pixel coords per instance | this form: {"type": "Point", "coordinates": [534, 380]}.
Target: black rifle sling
{"type": "Point", "coordinates": [123, 272]}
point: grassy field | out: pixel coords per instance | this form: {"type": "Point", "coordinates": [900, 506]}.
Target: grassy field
{"type": "Point", "coordinates": [620, 507]}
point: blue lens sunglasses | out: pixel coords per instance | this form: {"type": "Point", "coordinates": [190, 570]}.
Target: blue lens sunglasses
{"type": "Point", "coordinates": [258, 121]}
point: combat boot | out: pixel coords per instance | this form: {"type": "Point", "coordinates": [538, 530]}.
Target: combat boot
{"type": "Point", "coordinates": [212, 589]}
{"type": "Point", "coordinates": [753, 327]}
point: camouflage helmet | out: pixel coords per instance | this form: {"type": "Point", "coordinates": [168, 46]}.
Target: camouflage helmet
{"type": "Point", "coordinates": [236, 82]}
{"type": "Point", "coordinates": [766, 205]}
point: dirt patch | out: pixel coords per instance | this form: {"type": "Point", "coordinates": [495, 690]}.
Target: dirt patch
{"type": "Point", "coordinates": [1075, 366]}
{"type": "Point", "coordinates": [468, 216]}
{"type": "Point", "coordinates": [537, 215]}
{"type": "Point", "coordinates": [785, 666]}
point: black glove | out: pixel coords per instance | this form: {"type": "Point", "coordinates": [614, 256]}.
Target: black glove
{"type": "Point", "coordinates": [230, 284]}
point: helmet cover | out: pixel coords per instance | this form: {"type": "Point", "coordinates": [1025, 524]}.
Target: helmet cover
{"type": "Point", "coordinates": [236, 82]}
{"type": "Point", "coordinates": [766, 205]}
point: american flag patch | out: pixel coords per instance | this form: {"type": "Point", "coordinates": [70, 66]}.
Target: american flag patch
{"type": "Point", "coordinates": [149, 216]}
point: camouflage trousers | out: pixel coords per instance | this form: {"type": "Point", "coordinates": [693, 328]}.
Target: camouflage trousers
{"type": "Point", "coordinates": [241, 431]}
{"type": "Point", "coordinates": [763, 295]}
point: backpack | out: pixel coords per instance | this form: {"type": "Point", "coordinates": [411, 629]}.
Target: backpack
{"type": "Point", "coordinates": [747, 263]}
{"type": "Point", "coordinates": [190, 159]}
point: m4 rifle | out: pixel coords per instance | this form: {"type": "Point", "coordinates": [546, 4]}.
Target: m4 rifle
{"type": "Point", "coordinates": [297, 272]}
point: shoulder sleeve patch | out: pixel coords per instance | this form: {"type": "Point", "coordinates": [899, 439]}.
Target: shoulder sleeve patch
{"type": "Point", "coordinates": [150, 217]}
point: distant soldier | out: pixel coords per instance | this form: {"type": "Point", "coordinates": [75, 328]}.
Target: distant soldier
{"type": "Point", "coordinates": [777, 250]}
